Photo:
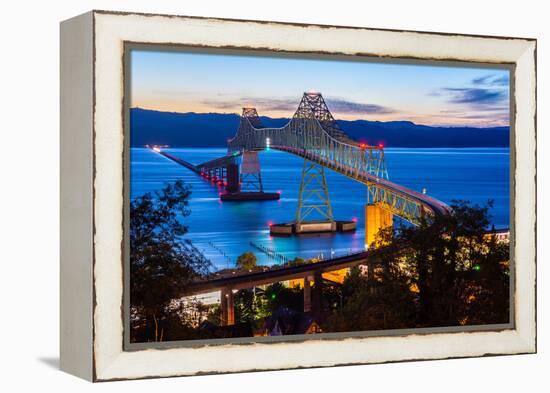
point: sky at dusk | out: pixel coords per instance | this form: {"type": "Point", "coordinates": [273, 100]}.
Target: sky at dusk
{"type": "Point", "coordinates": [424, 94]}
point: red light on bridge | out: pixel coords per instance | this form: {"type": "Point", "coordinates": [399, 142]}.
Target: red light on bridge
{"type": "Point", "coordinates": [354, 219]}
{"type": "Point", "coordinates": [363, 145]}
{"type": "Point", "coordinates": [381, 145]}
{"type": "Point", "coordinates": [269, 223]}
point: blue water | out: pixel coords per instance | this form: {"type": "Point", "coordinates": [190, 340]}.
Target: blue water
{"type": "Point", "coordinates": [223, 231]}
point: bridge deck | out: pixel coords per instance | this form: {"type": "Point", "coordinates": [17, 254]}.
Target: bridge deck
{"type": "Point", "coordinates": [438, 207]}
{"type": "Point", "coordinates": [177, 160]}
{"type": "Point", "coordinates": [250, 280]}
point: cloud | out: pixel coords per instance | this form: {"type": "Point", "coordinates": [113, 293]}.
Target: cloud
{"type": "Point", "coordinates": [273, 104]}
{"type": "Point", "coordinates": [481, 80]}
{"type": "Point", "coordinates": [485, 102]}
{"type": "Point", "coordinates": [350, 107]}
{"type": "Point", "coordinates": [263, 104]}
{"type": "Point", "coordinates": [220, 104]}
{"type": "Point", "coordinates": [493, 116]}
{"type": "Point", "coordinates": [491, 80]}
{"type": "Point", "coordinates": [480, 96]}
{"type": "Point", "coordinates": [502, 81]}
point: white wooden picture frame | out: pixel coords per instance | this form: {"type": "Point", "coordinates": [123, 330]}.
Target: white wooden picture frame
{"type": "Point", "coordinates": [93, 194]}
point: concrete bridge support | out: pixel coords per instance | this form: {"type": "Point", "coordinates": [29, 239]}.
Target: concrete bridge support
{"type": "Point", "coordinates": [317, 295]}
{"type": "Point", "coordinates": [228, 307]}
{"type": "Point", "coordinates": [376, 218]}
{"type": "Point", "coordinates": [307, 294]}
{"type": "Point", "coordinates": [233, 178]}
{"type": "Point", "coordinates": [313, 295]}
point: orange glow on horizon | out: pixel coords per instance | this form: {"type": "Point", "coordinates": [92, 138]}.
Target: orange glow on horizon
{"type": "Point", "coordinates": [464, 119]}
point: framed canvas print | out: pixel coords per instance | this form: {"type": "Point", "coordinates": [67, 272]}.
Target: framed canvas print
{"type": "Point", "coordinates": [246, 195]}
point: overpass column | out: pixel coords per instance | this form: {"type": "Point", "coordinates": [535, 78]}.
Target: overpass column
{"type": "Point", "coordinates": [227, 306]}
{"type": "Point", "coordinates": [223, 305]}
{"type": "Point", "coordinates": [317, 298]}
{"type": "Point", "coordinates": [376, 218]}
{"type": "Point", "coordinates": [230, 308]}
{"type": "Point", "coordinates": [307, 294]}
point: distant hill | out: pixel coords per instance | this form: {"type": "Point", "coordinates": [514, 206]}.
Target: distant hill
{"type": "Point", "coordinates": [213, 130]}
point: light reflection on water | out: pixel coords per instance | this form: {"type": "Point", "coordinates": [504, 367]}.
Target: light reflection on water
{"type": "Point", "coordinates": [224, 230]}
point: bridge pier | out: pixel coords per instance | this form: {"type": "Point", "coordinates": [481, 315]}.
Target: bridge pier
{"type": "Point", "coordinates": [317, 295]}
{"type": "Point", "coordinates": [244, 183]}
{"type": "Point", "coordinates": [314, 211]}
{"type": "Point", "coordinates": [228, 307]}
{"type": "Point", "coordinates": [307, 294]}
{"type": "Point", "coordinates": [376, 218]}
{"type": "Point", "coordinates": [233, 176]}
{"type": "Point", "coordinates": [251, 176]}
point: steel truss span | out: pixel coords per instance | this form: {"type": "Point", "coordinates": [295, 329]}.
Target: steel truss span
{"type": "Point", "coordinates": [314, 135]}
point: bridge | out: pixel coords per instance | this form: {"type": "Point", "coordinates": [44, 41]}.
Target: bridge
{"type": "Point", "coordinates": [311, 275]}
{"type": "Point", "coordinates": [314, 135]}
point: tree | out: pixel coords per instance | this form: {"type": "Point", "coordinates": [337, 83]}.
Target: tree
{"type": "Point", "coordinates": [252, 306]}
{"type": "Point", "coordinates": [486, 296]}
{"type": "Point", "coordinates": [161, 263]}
{"type": "Point", "coordinates": [249, 306]}
{"type": "Point", "coordinates": [278, 295]}
{"type": "Point", "coordinates": [381, 302]}
{"type": "Point", "coordinates": [446, 272]}
{"type": "Point", "coordinates": [460, 271]}
{"type": "Point", "coordinates": [246, 261]}
{"type": "Point", "coordinates": [297, 261]}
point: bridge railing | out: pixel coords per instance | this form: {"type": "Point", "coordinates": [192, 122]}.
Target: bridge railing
{"type": "Point", "coordinates": [307, 138]}
{"type": "Point", "coordinates": [309, 135]}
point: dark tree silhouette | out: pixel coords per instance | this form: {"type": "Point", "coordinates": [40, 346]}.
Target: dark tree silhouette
{"type": "Point", "coordinates": [445, 273]}
{"type": "Point", "coordinates": [459, 269]}
{"type": "Point", "coordinates": [246, 261]}
{"type": "Point", "coordinates": [382, 302]}
{"type": "Point", "coordinates": [161, 262]}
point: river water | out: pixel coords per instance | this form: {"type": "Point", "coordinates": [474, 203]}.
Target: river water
{"type": "Point", "coordinates": [223, 231]}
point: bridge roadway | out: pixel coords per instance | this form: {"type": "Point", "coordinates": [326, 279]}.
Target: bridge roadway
{"type": "Point", "coordinates": [177, 160]}
{"type": "Point", "coordinates": [314, 134]}
{"type": "Point", "coordinates": [438, 207]}
{"type": "Point", "coordinates": [250, 280]}
{"type": "Point", "coordinates": [310, 272]}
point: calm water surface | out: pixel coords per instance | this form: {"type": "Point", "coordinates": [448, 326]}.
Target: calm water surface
{"type": "Point", "coordinates": [223, 231]}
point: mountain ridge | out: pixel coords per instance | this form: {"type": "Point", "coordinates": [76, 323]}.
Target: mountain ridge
{"type": "Point", "coordinates": [213, 129]}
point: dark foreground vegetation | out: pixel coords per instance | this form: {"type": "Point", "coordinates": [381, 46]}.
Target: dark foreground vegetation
{"type": "Point", "coordinates": [450, 272]}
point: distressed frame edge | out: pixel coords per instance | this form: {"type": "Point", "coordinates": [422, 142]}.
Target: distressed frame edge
{"type": "Point", "coordinates": [76, 196]}
{"type": "Point", "coordinates": [303, 24]}
{"type": "Point", "coordinates": [528, 340]}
